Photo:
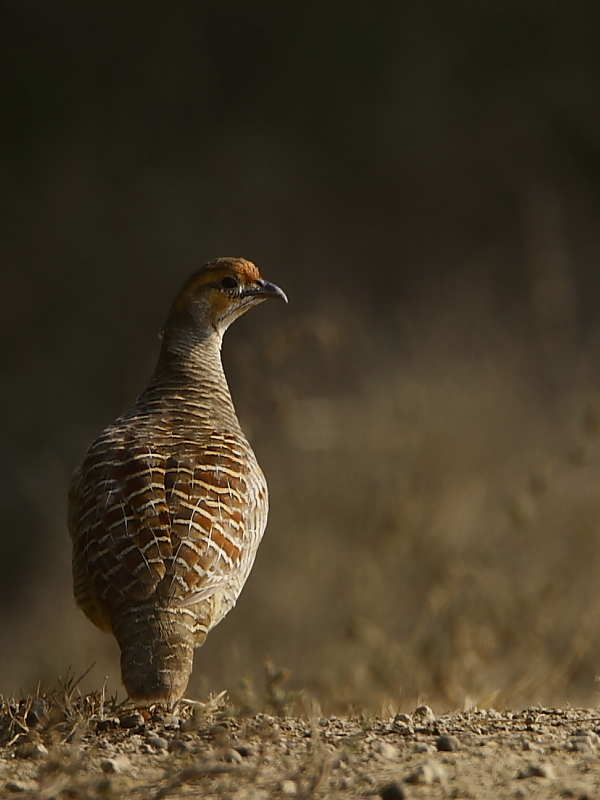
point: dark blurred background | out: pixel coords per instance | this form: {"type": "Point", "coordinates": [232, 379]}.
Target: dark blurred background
{"type": "Point", "coordinates": [423, 179]}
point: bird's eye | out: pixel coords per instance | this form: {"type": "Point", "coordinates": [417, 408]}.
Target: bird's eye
{"type": "Point", "coordinates": [229, 282]}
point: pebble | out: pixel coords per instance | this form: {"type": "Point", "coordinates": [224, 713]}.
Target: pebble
{"type": "Point", "coordinates": [169, 720]}
{"type": "Point", "coordinates": [535, 748]}
{"type": "Point", "coordinates": [115, 765]}
{"type": "Point", "coordinates": [405, 718]}
{"type": "Point", "coordinates": [107, 724]}
{"type": "Point", "coordinates": [581, 744]}
{"type": "Point", "coordinates": [228, 754]}
{"type": "Point", "coordinates": [403, 729]}
{"type": "Point", "coordinates": [30, 750]}
{"type": "Point", "coordinates": [18, 786]}
{"type": "Point", "coordinates": [392, 791]}
{"type": "Point", "coordinates": [447, 744]}
{"type": "Point", "coordinates": [423, 747]}
{"type": "Point", "coordinates": [428, 773]}
{"type": "Point", "coordinates": [425, 714]}
{"type": "Point", "coordinates": [386, 750]}
{"type": "Point", "coordinates": [288, 788]}
{"type": "Point", "coordinates": [537, 771]}
{"type": "Point", "coordinates": [423, 774]}
{"type": "Point", "coordinates": [132, 721]}
{"type": "Point", "coordinates": [158, 742]}
{"type": "Point", "coordinates": [245, 750]}
{"type": "Point", "coordinates": [592, 735]}
{"type": "Point", "coordinates": [37, 712]}
{"type": "Point", "coordinates": [220, 735]}
{"type": "Point", "coordinates": [178, 745]}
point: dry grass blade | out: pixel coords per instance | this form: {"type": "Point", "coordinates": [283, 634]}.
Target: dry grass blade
{"type": "Point", "coordinates": [70, 682]}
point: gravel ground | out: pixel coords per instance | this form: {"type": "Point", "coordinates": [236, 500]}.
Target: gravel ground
{"type": "Point", "coordinates": [60, 748]}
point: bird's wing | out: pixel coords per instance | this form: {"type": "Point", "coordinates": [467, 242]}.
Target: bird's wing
{"type": "Point", "coordinates": [207, 502]}
{"type": "Point", "coordinates": [147, 523]}
{"type": "Point", "coordinates": [120, 520]}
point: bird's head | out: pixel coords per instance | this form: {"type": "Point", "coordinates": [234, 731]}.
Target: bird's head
{"type": "Point", "coordinates": [216, 294]}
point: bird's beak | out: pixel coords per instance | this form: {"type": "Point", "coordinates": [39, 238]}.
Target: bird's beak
{"type": "Point", "coordinates": [265, 289]}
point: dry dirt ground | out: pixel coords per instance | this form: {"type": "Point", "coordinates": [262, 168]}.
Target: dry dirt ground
{"type": "Point", "coordinates": [55, 746]}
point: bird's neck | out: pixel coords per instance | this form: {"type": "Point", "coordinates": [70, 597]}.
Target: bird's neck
{"type": "Point", "coordinates": [189, 377]}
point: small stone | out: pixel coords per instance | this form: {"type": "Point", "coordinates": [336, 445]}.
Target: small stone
{"type": "Point", "coordinates": [405, 718]}
{"type": "Point", "coordinates": [37, 712]}
{"type": "Point", "coordinates": [403, 729]}
{"type": "Point", "coordinates": [428, 773]}
{"type": "Point", "coordinates": [386, 750]}
{"type": "Point", "coordinates": [107, 724]}
{"type": "Point", "coordinates": [112, 766]}
{"type": "Point", "coordinates": [288, 788]}
{"type": "Point", "coordinates": [447, 744]}
{"type": "Point", "coordinates": [227, 754]}
{"type": "Point", "coordinates": [425, 714]}
{"type": "Point", "coordinates": [423, 775]}
{"type": "Point", "coordinates": [168, 720]}
{"type": "Point", "coordinates": [18, 786]}
{"type": "Point", "coordinates": [189, 725]}
{"type": "Point", "coordinates": [179, 746]}
{"type": "Point", "coordinates": [535, 748]}
{"type": "Point", "coordinates": [591, 735]}
{"type": "Point", "coordinates": [157, 742]}
{"type": "Point", "coordinates": [220, 736]}
{"type": "Point", "coordinates": [392, 791]}
{"type": "Point", "coordinates": [134, 720]}
{"type": "Point", "coordinates": [439, 772]}
{"type": "Point", "coordinates": [30, 750]}
{"type": "Point", "coordinates": [582, 744]}
{"type": "Point", "coordinates": [245, 750]}
{"type": "Point", "coordinates": [537, 771]}
{"type": "Point", "coordinates": [423, 747]}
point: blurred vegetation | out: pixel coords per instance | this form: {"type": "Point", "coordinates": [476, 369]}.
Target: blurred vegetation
{"type": "Point", "coordinates": [423, 179]}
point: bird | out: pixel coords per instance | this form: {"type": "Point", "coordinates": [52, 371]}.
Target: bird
{"type": "Point", "coordinates": [169, 505]}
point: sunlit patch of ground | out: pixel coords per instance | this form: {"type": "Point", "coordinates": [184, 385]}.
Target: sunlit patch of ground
{"type": "Point", "coordinates": [63, 744]}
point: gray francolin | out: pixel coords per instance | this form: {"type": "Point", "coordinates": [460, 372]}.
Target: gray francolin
{"type": "Point", "coordinates": [169, 505]}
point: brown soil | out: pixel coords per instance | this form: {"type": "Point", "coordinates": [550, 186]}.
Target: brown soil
{"type": "Point", "coordinates": [60, 748]}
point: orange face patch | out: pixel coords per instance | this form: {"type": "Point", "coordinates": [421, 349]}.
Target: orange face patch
{"type": "Point", "coordinates": [245, 271]}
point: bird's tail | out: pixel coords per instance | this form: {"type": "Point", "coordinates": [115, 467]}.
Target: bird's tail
{"type": "Point", "coordinates": [157, 651]}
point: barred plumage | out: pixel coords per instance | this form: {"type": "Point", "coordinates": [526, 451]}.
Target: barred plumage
{"type": "Point", "coordinates": [169, 505]}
